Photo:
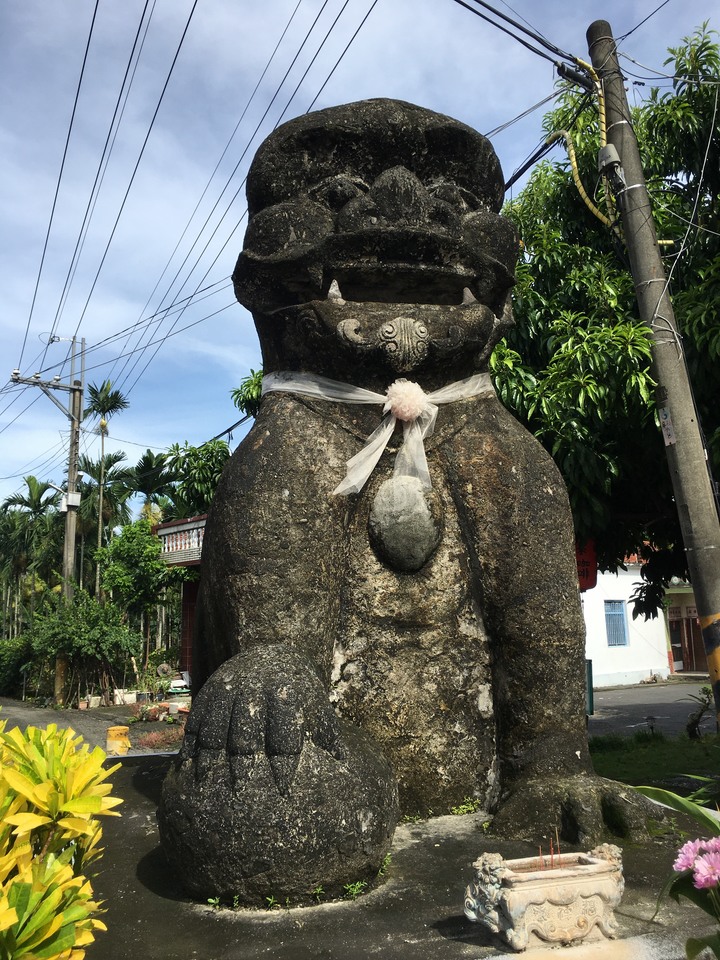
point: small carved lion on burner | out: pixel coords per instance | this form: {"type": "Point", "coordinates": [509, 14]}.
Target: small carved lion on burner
{"type": "Point", "coordinates": [402, 648]}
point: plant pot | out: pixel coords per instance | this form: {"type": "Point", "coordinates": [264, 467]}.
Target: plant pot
{"type": "Point", "coordinates": [122, 697]}
{"type": "Point", "coordinates": [82, 704]}
{"type": "Point", "coordinates": [94, 702]}
{"type": "Point", "coordinates": [528, 902]}
{"type": "Point", "coordinates": [118, 742]}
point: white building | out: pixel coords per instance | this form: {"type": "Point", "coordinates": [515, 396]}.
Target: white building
{"type": "Point", "coordinates": [623, 650]}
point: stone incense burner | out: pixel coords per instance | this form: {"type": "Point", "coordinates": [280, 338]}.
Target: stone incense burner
{"type": "Point", "coordinates": [534, 900]}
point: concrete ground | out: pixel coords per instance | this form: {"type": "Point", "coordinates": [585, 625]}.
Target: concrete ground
{"type": "Point", "coordinates": [664, 707]}
{"type": "Point", "coordinates": [417, 914]}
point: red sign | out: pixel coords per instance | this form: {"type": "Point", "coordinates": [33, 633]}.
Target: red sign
{"type": "Point", "coordinates": [586, 559]}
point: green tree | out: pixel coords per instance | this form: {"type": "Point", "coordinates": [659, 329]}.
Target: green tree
{"type": "Point", "coordinates": [576, 367]}
{"type": "Point", "coordinates": [136, 575]}
{"type": "Point", "coordinates": [33, 536]}
{"type": "Point", "coordinates": [197, 471]}
{"type": "Point", "coordinates": [104, 402]}
{"type": "Point", "coordinates": [92, 636]}
{"type": "Point", "coordinates": [151, 479]}
{"type": "Point", "coordinates": [104, 494]}
{"type": "Point", "coordinates": [246, 397]}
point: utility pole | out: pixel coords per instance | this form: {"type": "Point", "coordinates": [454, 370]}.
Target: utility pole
{"type": "Point", "coordinates": [686, 454]}
{"type": "Point", "coordinates": [71, 498]}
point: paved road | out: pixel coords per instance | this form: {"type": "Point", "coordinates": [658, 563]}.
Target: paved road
{"type": "Point", "coordinates": [627, 709]}
{"type": "Point", "coordinates": [617, 710]}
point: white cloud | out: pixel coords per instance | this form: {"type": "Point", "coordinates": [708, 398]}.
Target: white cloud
{"type": "Point", "coordinates": [431, 52]}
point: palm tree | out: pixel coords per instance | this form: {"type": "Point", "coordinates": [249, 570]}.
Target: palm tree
{"type": "Point", "coordinates": [105, 492]}
{"type": "Point", "coordinates": [13, 565]}
{"type": "Point", "coordinates": [104, 403]}
{"type": "Point", "coordinates": [152, 479]}
{"type": "Point", "coordinates": [32, 539]}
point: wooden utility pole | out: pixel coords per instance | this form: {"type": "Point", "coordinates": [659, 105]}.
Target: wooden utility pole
{"type": "Point", "coordinates": [71, 498]}
{"type": "Point", "coordinates": [686, 454]}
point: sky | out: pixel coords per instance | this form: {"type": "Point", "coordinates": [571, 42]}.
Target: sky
{"type": "Point", "coordinates": [122, 170]}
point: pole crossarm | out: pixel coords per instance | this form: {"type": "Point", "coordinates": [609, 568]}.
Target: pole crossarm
{"type": "Point", "coordinates": [45, 384]}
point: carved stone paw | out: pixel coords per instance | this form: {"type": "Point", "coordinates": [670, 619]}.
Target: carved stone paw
{"type": "Point", "coordinates": [272, 794]}
{"type": "Point", "coordinates": [585, 810]}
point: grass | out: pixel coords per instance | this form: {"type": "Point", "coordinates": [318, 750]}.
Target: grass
{"type": "Point", "coordinates": [166, 738]}
{"type": "Point", "coordinates": [646, 758]}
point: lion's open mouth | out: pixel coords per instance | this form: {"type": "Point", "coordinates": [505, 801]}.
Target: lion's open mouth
{"type": "Point", "coordinates": [402, 283]}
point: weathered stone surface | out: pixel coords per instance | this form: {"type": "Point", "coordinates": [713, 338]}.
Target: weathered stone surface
{"type": "Point", "coordinates": [403, 530]}
{"type": "Point", "coordinates": [272, 794]}
{"type": "Point", "coordinates": [375, 250]}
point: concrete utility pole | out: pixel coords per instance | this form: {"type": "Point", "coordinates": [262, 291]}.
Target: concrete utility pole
{"type": "Point", "coordinates": [71, 498]}
{"type": "Point", "coordinates": [687, 457]}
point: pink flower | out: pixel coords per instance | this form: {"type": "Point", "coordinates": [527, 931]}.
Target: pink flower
{"type": "Point", "coordinates": [706, 872]}
{"type": "Point", "coordinates": [405, 399]}
{"type": "Point", "coordinates": [713, 845]}
{"type": "Point", "coordinates": [688, 853]}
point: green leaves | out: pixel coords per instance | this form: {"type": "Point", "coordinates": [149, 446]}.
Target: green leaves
{"type": "Point", "coordinates": [133, 568]}
{"type": "Point", "coordinates": [246, 397]}
{"type": "Point", "coordinates": [83, 629]}
{"type": "Point", "coordinates": [680, 884]}
{"type": "Point", "coordinates": [52, 789]}
{"type": "Point", "coordinates": [198, 470]}
{"type": "Point", "coordinates": [695, 945]}
{"type": "Point", "coordinates": [709, 824]}
{"type": "Point", "coordinates": [576, 368]}
{"type": "Point", "coordinates": [104, 401]}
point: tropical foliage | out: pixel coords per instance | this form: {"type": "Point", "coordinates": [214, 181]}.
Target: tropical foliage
{"type": "Point", "coordinates": [696, 870]}
{"type": "Point", "coordinates": [198, 470]}
{"type": "Point", "coordinates": [52, 790]}
{"type": "Point", "coordinates": [124, 591]}
{"type": "Point", "coordinates": [246, 397]}
{"type": "Point", "coordinates": [94, 637]}
{"type": "Point", "coordinates": [136, 575]}
{"type": "Point", "coordinates": [576, 367]}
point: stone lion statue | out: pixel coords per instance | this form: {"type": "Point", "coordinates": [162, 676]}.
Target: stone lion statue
{"type": "Point", "coordinates": [389, 616]}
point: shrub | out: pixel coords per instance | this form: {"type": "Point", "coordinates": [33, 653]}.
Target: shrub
{"type": "Point", "coordinates": [15, 653]}
{"type": "Point", "coordinates": [52, 788]}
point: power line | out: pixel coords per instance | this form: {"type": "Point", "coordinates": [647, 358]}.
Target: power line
{"type": "Point", "coordinates": [658, 74]}
{"type": "Point", "coordinates": [104, 158]}
{"type": "Point", "coordinates": [166, 336]}
{"type": "Point", "coordinates": [59, 180]}
{"type": "Point", "coordinates": [528, 46]}
{"type": "Point", "coordinates": [227, 210]}
{"type": "Point", "coordinates": [340, 58]}
{"type": "Point", "coordinates": [217, 167]}
{"type": "Point", "coordinates": [545, 147]}
{"type": "Point", "coordinates": [137, 163]}
{"type": "Point", "coordinates": [645, 20]}
{"type": "Point", "coordinates": [521, 116]}
{"type": "Point", "coordinates": [237, 192]}
{"type": "Point", "coordinates": [42, 461]}
{"type": "Point", "coordinates": [17, 417]}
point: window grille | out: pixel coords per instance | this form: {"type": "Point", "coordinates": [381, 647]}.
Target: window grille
{"type": "Point", "coordinates": [616, 623]}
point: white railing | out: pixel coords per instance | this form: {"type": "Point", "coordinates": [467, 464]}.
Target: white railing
{"type": "Point", "coordinates": [181, 540]}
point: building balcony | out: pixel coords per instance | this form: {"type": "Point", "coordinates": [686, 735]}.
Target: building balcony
{"type": "Point", "coordinates": [182, 541]}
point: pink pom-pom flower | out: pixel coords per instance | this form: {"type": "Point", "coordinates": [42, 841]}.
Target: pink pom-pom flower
{"type": "Point", "coordinates": [706, 871]}
{"type": "Point", "coordinates": [406, 400]}
{"type": "Point", "coordinates": [688, 854]}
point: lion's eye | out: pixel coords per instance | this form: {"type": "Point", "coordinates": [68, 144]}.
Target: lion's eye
{"type": "Point", "coordinates": [335, 192]}
{"type": "Point", "coordinates": [459, 198]}
{"type": "Point", "coordinates": [287, 228]}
